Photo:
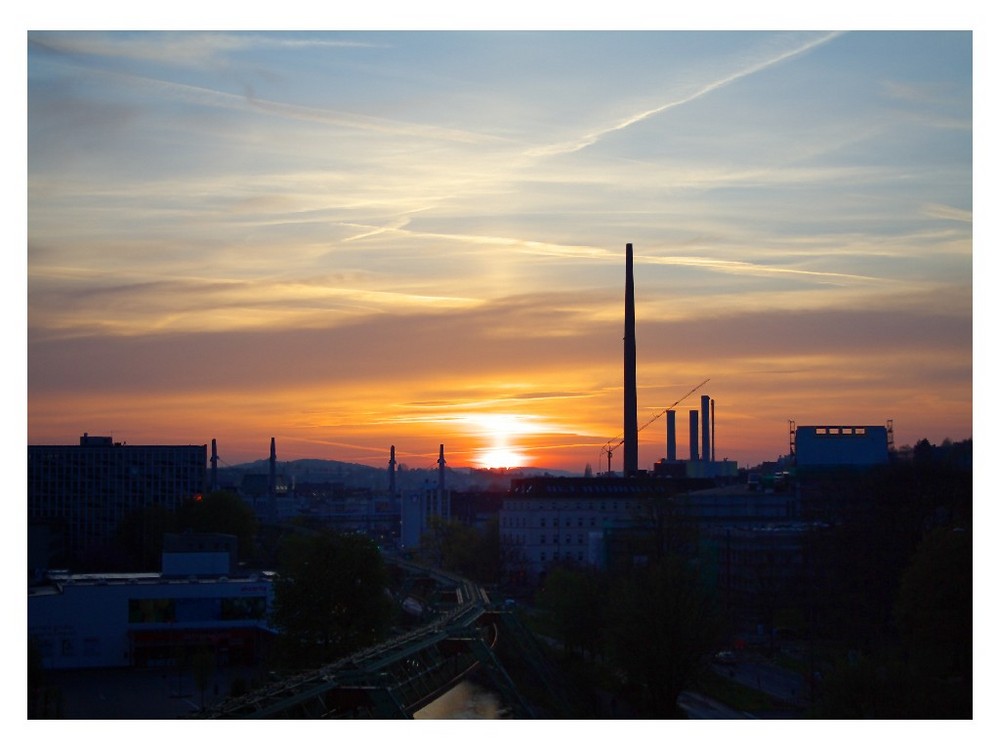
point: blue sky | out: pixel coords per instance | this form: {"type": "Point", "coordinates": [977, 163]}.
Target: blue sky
{"type": "Point", "coordinates": [357, 239]}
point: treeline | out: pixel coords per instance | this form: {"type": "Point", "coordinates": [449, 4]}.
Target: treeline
{"type": "Point", "coordinates": [138, 542]}
{"type": "Point", "coordinates": [331, 598]}
{"type": "Point", "coordinates": [891, 588]}
{"type": "Point", "coordinates": [647, 629]}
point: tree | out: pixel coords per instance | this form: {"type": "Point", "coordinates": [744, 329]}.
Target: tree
{"type": "Point", "coordinates": [221, 512]}
{"type": "Point", "coordinates": [577, 604]}
{"type": "Point", "coordinates": [934, 617]}
{"type": "Point", "coordinates": [330, 597]}
{"type": "Point", "coordinates": [139, 537]}
{"type": "Point", "coordinates": [663, 623]}
{"type": "Point", "coordinates": [466, 550]}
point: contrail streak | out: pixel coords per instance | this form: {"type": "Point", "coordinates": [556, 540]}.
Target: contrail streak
{"type": "Point", "coordinates": [592, 138]}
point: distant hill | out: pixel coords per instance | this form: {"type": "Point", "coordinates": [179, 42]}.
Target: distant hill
{"type": "Point", "coordinates": [310, 470]}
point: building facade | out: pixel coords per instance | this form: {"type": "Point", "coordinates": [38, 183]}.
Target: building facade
{"type": "Point", "coordinates": [84, 491]}
{"type": "Point", "coordinates": [547, 521]}
{"type": "Point", "coordinates": [840, 446]}
{"type": "Point", "coordinates": [154, 619]}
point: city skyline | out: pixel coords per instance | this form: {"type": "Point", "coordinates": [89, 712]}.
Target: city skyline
{"type": "Point", "coordinates": [354, 240]}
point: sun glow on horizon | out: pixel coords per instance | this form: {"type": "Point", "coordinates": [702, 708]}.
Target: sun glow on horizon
{"type": "Point", "coordinates": [501, 458]}
{"type": "Point", "coordinates": [502, 432]}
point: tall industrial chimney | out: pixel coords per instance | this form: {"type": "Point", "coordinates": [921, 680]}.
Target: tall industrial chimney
{"type": "Point", "coordinates": [671, 435]}
{"type": "Point", "coordinates": [706, 433]}
{"type": "Point", "coordinates": [693, 419]}
{"type": "Point", "coordinates": [272, 483]}
{"type": "Point", "coordinates": [631, 431]}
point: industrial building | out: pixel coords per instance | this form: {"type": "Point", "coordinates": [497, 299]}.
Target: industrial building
{"type": "Point", "coordinates": [546, 521]}
{"type": "Point", "coordinates": [840, 446]}
{"type": "Point", "coordinates": [79, 494]}
{"type": "Point", "coordinates": [197, 602]}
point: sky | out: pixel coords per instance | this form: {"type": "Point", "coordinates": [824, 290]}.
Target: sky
{"type": "Point", "coordinates": [351, 240]}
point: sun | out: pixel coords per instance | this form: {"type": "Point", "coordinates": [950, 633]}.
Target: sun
{"type": "Point", "coordinates": [502, 437]}
{"type": "Point", "coordinates": [501, 458]}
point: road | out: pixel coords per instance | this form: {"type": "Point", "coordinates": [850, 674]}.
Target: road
{"type": "Point", "coordinates": [698, 706]}
{"type": "Point", "coordinates": [781, 684]}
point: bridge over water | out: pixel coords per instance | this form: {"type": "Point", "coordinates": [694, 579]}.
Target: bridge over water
{"type": "Point", "coordinates": [398, 677]}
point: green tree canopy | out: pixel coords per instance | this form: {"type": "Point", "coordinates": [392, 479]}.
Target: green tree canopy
{"type": "Point", "coordinates": [221, 512]}
{"type": "Point", "coordinates": [469, 551]}
{"type": "Point", "coordinates": [330, 597]}
{"type": "Point", "coordinates": [139, 538]}
{"type": "Point", "coordinates": [662, 623]}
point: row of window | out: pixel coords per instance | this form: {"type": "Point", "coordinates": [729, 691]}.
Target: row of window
{"type": "Point", "coordinates": [536, 505]}
{"type": "Point", "coordinates": [522, 521]}
{"type": "Point", "coordinates": [542, 539]}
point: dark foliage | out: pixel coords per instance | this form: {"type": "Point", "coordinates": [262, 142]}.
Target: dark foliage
{"type": "Point", "coordinates": [894, 590]}
{"type": "Point", "coordinates": [467, 550]}
{"type": "Point", "coordinates": [221, 512]}
{"type": "Point", "coordinates": [663, 623]}
{"type": "Point", "coordinates": [330, 597]}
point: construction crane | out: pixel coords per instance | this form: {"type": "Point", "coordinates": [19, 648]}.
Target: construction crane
{"type": "Point", "coordinates": [612, 445]}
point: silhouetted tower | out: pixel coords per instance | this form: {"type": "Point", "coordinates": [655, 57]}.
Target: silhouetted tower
{"type": "Point", "coordinates": [713, 429]}
{"type": "Point", "coordinates": [671, 435]}
{"type": "Point", "coordinates": [441, 463]}
{"type": "Point", "coordinates": [631, 461]}
{"type": "Point", "coordinates": [272, 483]}
{"type": "Point", "coordinates": [392, 472]}
{"type": "Point", "coordinates": [706, 433]}
{"type": "Point", "coordinates": [214, 484]}
{"type": "Point", "coordinates": [693, 422]}
{"type": "Point", "coordinates": [443, 500]}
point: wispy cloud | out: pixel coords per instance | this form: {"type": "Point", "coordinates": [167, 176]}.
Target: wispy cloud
{"type": "Point", "coordinates": [181, 50]}
{"type": "Point", "coordinates": [590, 139]}
{"type": "Point", "coordinates": [938, 211]}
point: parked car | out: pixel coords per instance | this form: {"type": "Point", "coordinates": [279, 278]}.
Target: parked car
{"type": "Point", "coordinates": [724, 657]}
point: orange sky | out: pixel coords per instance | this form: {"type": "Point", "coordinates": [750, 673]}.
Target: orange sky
{"type": "Point", "coordinates": [224, 244]}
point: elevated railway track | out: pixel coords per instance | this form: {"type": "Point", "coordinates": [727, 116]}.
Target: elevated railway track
{"type": "Point", "coordinates": [398, 677]}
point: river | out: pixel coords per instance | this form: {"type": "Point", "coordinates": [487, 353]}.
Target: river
{"type": "Point", "coordinates": [467, 700]}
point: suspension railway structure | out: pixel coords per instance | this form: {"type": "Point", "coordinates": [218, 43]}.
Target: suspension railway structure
{"type": "Point", "coordinates": [398, 677]}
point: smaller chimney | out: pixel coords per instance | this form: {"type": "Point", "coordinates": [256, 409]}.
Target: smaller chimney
{"type": "Point", "coordinates": [671, 435]}
{"type": "Point", "coordinates": [272, 483]}
{"type": "Point", "coordinates": [693, 419]}
{"type": "Point", "coordinates": [706, 434]}
{"type": "Point", "coordinates": [713, 429]}
{"type": "Point", "coordinates": [392, 471]}
{"type": "Point", "coordinates": [215, 467]}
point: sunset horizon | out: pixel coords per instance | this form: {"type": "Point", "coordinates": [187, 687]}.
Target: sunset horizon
{"type": "Point", "coordinates": [354, 240]}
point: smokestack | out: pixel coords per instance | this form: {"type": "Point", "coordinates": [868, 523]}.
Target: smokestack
{"type": "Point", "coordinates": [693, 418]}
{"type": "Point", "coordinates": [631, 462]}
{"type": "Point", "coordinates": [392, 471]}
{"type": "Point", "coordinates": [215, 467]}
{"type": "Point", "coordinates": [671, 435]}
{"type": "Point", "coordinates": [706, 434]}
{"type": "Point", "coordinates": [713, 430]}
{"type": "Point", "coordinates": [272, 483]}
{"type": "Point", "coordinates": [441, 463]}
